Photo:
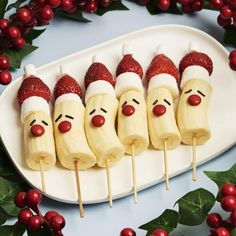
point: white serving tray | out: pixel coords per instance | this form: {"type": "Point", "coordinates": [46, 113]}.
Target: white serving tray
{"type": "Point", "coordinates": [60, 183]}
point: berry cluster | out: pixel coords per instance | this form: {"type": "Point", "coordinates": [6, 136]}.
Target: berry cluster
{"type": "Point", "coordinates": [131, 232]}
{"type": "Point", "coordinates": [220, 227]}
{"type": "Point", "coordinates": [29, 202]}
{"type": "Point", "coordinates": [232, 60]}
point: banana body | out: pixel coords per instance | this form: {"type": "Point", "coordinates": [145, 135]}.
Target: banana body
{"type": "Point", "coordinates": [103, 140]}
{"type": "Point", "coordinates": [41, 147]}
{"type": "Point", "coordinates": [133, 130]}
{"type": "Point", "coordinates": [193, 120]}
{"type": "Point", "coordinates": [164, 127]}
{"type": "Point", "coordinates": [72, 146]}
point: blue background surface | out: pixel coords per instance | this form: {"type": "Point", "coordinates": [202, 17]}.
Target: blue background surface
{"type": "Point", "coordinates": [64, 37]}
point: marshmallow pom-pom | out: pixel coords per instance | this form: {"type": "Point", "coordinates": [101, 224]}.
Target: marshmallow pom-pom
{"type": "Point", "coordinates": [128, 81]}
{"type": "Point", "coordinates": [30, 70]}
{"type": "Point", "coordinates": [194, 72]}
{"type": "Point", "coordinates": [68, 97]}
{"type": "Point", "coordinates": [99, 87]}
{"type": "Point", "coordinates": [33, 104]}
{"type": "Point", "coordinates": [164, 81]}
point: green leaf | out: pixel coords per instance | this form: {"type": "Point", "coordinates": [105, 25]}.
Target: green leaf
{"type": "Point", "coordinates": [6, 167]}
{"type": "Point", "coordinates": [3, 217]}
{"type": "Point", "coordinates": [77, 16]}
{"type": "Point", "coordinates": [194, 206]}
{"type": "Point", "coordinates": [153, 8]}
{"type": "Point", "coordinates": [3, 5]}
{"type": "Point", "coordinates": [15, 4]}
{"type": "Point", "coordinates": [33, 34]}
{"type": "Point", "coordinates": [230, 36]}
{"type": "Point", "coordinates": [115, 5]}
{"type": "Point", "coordinates": [233, 232]}
{"type": "Point", "coordinates": [168, 220]}
{"type": "Point", "coordinates": [16, 56]}
{"type": "Point", "coordinates": [17, 229]}
{"type": "Point", "coordinates": [9, 207]}
{"type": "Point", "coordinates": [222, 177]}
{"type": "Point", "coordinates": [44, 231]}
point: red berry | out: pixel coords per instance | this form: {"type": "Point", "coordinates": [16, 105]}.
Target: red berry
{"type": "Point", "coordinates": [13, 32]}
{"type": "Point", "coordinates": [128, 110]}
{"type": "Point", "coordinates": [66, 5]}
{"type": "Point", "coordinates": [228, 190]}
{"type": "Point", "coordinates": [57, 222]}
{"type": "Point", "coordinates": [5, 77]}
{"type": "Point", "coordinates": [23, 15]}
{"type": "Point", "coordinates": [64, 126]}
{"type": "Point", "coordinates": [4, 23]}
{"type": "Point", "coordinates": [35, 223]}
{"type": "Point", "coordinates": [24, 215]}
{"type": "Point", "coordinates": [232, 54]}
{"type": "Point", "coordinates": [37, 131]}
{"type": "Point", "coordinates": [159, 110]}
{"type": "Point", "coordinates": [226, 12]}
{"type": "Point", "coordinates": [228, 203]}
{"type": "Point", "coordinates": [127, 232]}
{"type": "Point", "coordinates": [233, 217]}
{"type": "Point", "coordinates": [54, 3]}
{"type": "Point", "coordinates": [33, 198]}
{"type": "Point", "coordinates": [160, 232]}
{"type": "Point", "coordinates": [184, 2]}
{"type": "Point", "coordinates": [19, 199]}
{"type": "Point", "coordinates": [214, 220]}
{"type": "Point", "coordinates": [104, 3]}
{"type": "Point", "coordinates": [227, 224]}
{"type": "Point", "coordinates": [194, 100]}
{"type": "Point", "coordinates": [46, 13]}
{"type": "Point", "coordinates": [50, 214]}
{"type": "Point", "coordinates": [197, 5]}
{"type": "Point", "coordinates": [90, 6]}
{"type": "Point", "coordinates": [19, 43]}
{"type": "Point", "coordinates": [164, 4]}
{"type": "Point", "coordinates": [98, 120]}
{"type": "Point", "coordinates": [216, 4]}
{"type": "Point", "coordinates": [41, 2]}
{"type": "Point", "coordinates": [221, 232]}
{"type": "Point", "coordinates": [4, 62]}
{"type": "Point", "coordinates": [223, 22]}
{"type": "Point", "coordinates": [187, 8]}
{"type": "Point", "coordinates": [232, 63]}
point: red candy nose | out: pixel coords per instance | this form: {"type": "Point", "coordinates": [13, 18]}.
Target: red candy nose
{"type": "Point", "coordinates": [159, 110]}
{"type": "Point", "coordinates": [98, 121]}
{"type": "Point", "coordinates": [64, 126]}
{"type": "Point", "coordinates": [194, 100]}
{"type": "Point", "coordinates": [128, 110]}
{"type": "Point", "coordinates": [37, 130]}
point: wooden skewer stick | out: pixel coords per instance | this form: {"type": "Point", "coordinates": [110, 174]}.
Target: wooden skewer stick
{"type": "Point", "coordinates": [134, 174]}
{"type": "Point", "coordinates": [42, 176]}
{"type": "Point", "coordinates": [166, 165]}
{"type": "Point", "coordinates": [194, 160]}
{"type": "Point", "coordinates": [81, 208]}
{"type": "Point", "coordinates": [109, 183]}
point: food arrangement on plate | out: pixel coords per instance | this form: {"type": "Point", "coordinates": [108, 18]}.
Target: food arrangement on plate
{"type": "Point", "coordinates": [85, 145]}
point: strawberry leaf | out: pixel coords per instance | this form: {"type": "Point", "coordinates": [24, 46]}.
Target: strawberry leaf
{"type": "Point", "coordinates": [168, 221]}
{"type": "Point", "coordinates": [77, 15]}
{"type": "Point", "coordinates": [3, 5]}
{"type": "Point", "coordinates": [17, 229]}
{"type": "Point", "coordinates": [230, 36]}
{"type": "Point", "coordinates": [222, 177]}
{"type": "Point", "coordinates": [115, 5]}
{"type": "Point", "coordinates": [33, 34]}
{"type": "Point", "coordinates": [194, 206]}
{"type": "Point", "coordinates": [16, 56]}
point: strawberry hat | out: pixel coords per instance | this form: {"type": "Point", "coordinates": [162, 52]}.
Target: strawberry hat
{"type": "Point", "coordinates": [162, 73]}
{"type": "Point", "coordinates": [67, 88]}
{"type": "Point", "coordinates": [129, 74]}
{"type": "Point", "coordinates": [33, 94]}
{"type": "Point", "coordinates": [195, 65]}
{"type": "Point", "coordinates": [98, 80]}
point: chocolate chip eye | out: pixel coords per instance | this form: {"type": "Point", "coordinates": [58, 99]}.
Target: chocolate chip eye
{"type": "Point", "coordinates": [44, 122]}
{"type": "Point", "coordinates": [102, 109]}
{"type": "Point", "coordinates": [92, 111]}
{"type": "Point", "coordinates": [70, 117]}
{"type": "Point", "coordinates": [155, 102]}
{"type": "Point", "coordinates": [32, 122]}
{"type": "Point", "coordinates": [124, 104]}
{"type": "Point", "coordinates": [189, 91]}
{"type": "Point", "coordinates": [201, 93]}
{"type": "Point", "coordinates": [137, 102]}
{"type": "Point", "coordinates": [58, 118]}
{"type": "Point", "coordinates": [166, 101]}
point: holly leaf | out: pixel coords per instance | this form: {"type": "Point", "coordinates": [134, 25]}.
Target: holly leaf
{"type": "Point", "coordinates": [17, 229]}
{"type": "Point", "coordinates": [115, 5]}
{"type": "Point", "coordinates": [16, 56]}
{"type": "Point", "coordinates": [77, 15]}
{"type": "Point", "coordinates": [6, 167]}
{"type": "Point", "coordinates": [168, 221]}
{"type": "Point", "coordinates": [3, 217]}
{"type": "Point", "coordinates": [3, 5]}
{"type": "Point", "coordinates": [33, 34]}
{"type": "Point", "coordinates": [16, 4]}
{"type": "Point", "coordinates": [230, 36]}
{"type": "Point", "coordinates": [194, 206]}
{"type": "Point", "coordinates": [233, 232]}
{"type": "Point", "coordinates": [154, 10]}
